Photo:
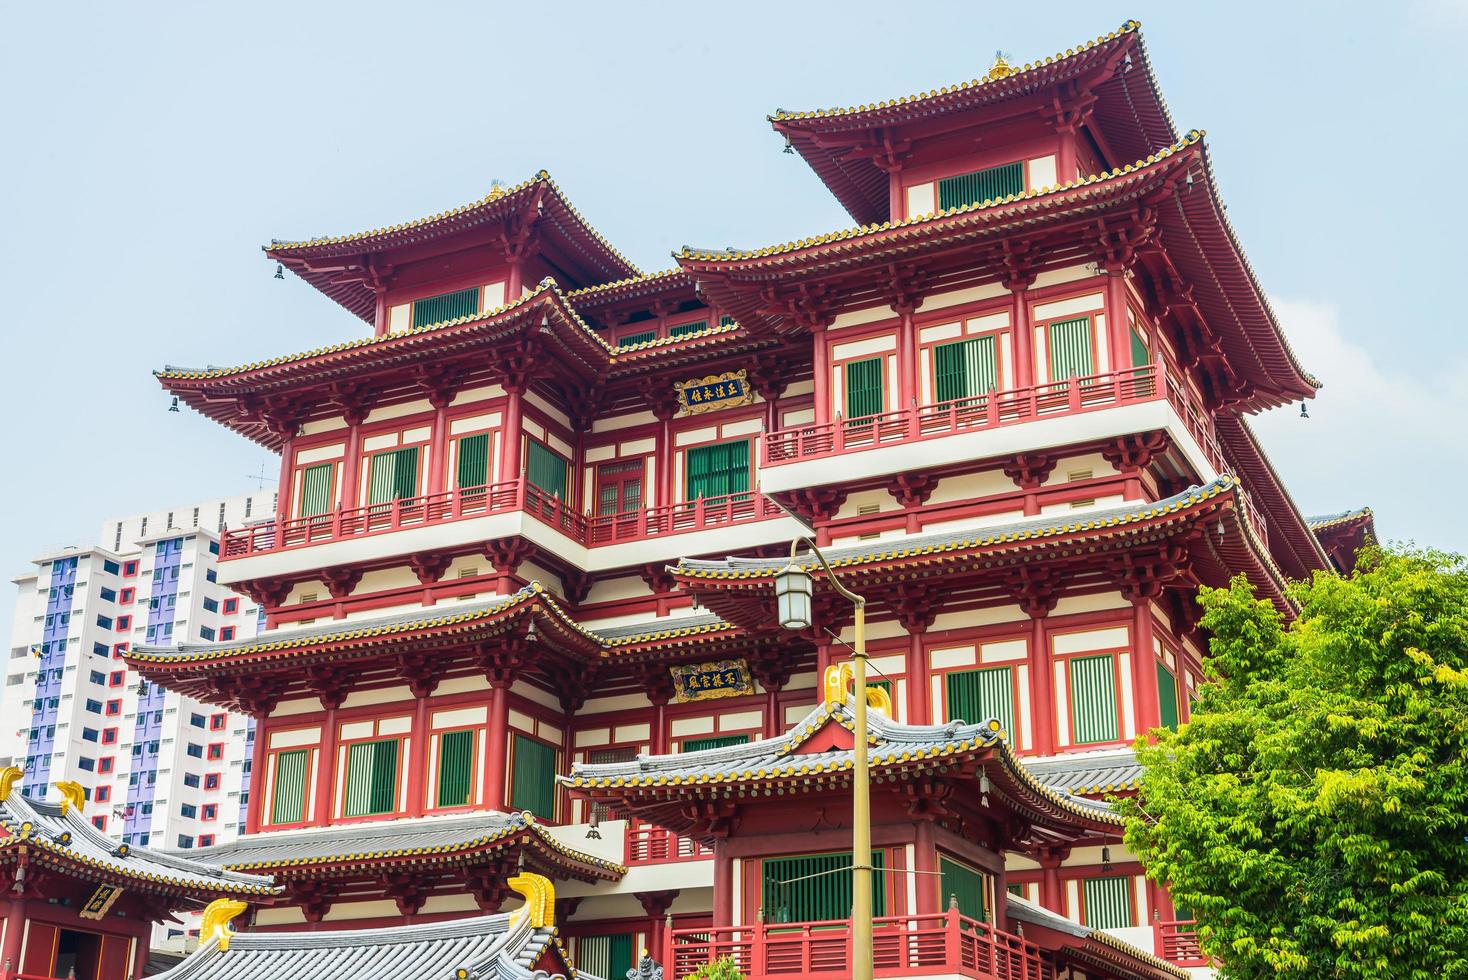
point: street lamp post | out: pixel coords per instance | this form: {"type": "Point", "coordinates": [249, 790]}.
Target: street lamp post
{"type": "Point", "coordinates": [793, 594]}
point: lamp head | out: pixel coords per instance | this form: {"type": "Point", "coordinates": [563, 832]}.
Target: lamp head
{"type": "Point", "coordinates": [793, 591]}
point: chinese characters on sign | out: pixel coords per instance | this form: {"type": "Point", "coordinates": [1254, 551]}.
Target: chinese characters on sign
{"type": "Point", "coordinates": [722, 679]}
{"type": "Point", "coordinates": [715, 391]}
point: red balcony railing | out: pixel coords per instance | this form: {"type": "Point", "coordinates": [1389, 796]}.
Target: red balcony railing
{"type": "Point", "coordinates": [647, 844]}
{"type": "Point", "coordinates": [1177, 942]}
{"type": "Point", "coordinates": [902, 945]}
{"type": "Point", "coordinates": [468, 502]}
{"type": "Point", "coordinates": [997, 408]}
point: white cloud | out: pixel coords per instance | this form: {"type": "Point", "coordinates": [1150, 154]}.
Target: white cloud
{"type": "Point", "coordinates": [1376, 435]}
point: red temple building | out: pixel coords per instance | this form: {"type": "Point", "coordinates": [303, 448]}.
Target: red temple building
{"type": "Point", "coordinates": [519, 586]}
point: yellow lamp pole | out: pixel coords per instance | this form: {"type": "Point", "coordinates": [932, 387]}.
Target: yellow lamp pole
{"type": "Point", "coordinates": [793, 592]}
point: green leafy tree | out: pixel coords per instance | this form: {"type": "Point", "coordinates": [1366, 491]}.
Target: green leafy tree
{"type": "Point", "coordinates": [1313, 813]}
{"type": "Point", "coordinates": [720, 969]}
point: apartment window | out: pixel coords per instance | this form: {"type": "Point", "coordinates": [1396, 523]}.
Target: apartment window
{"type": "Point", "coordinates": [197, 720]}
{"type": "Point", "coordinates": [89, 734]}
{"type": "Point", "coordinates": [456, 768]}
{"type": "Point", "coordinates": [445, 306]}
{"type": "Point", "coordinates": [108, 595]}
{"type": "Point", "coordinates": [471, 460]}
{"type": "Point", "coordinates": [965, 368]}
{"type": "Point", "coordinates": [1093, 714]}
{"type": "Point", "coordinates": [978, 695]}
{"type": "Point", "coordinates": [989, 184]}
{"type": "Point", "coordinates": [127, 597]}
{"type": "Point", "coordinates": [211, 605]}
{"type": "Point", "coordinates": [1106, 903]}
{"type": "Point", "coordinates": [249, 505]}
{"type": "Point", "coordinates": [108, 565]}
{"type": "Point", "coordinates": [109, 736]}
{"type": "Point", "coordinates": [372, 778]}
{"type": "Point", "coordinates": [196, 517]}
{"type": "Point", "coordinates": [288, 801]}
{"type": "Point", "coordinates": [218, 721]}
{"type": "Point", "coordinates": [104, 793]}
{"type": "Point", "coordinates": [104, 764]}
{"type": "Point", "coordinates": [105, 622]}
{"type": "Point", "coordinates": [545, 470]}
{"type": "Point", "coordinates": [206, 632]}
{"type": "Point", "coordinates": [221, 515]}
{"type": "Point", "coordinates": [216, 751]}
{"type": "Point", "coordinates": [231, 606]}
{"type": "Point", "coordinates": [97, 677]}
{"type": "Point", "coordinates": [100, 649]}
{"type": "Point", "coordinates": [191, 780]}
{"type": "Point", "coordinates": [717, 470]}
{"type": "Point", "coordinates": [118, 649]}
{"type": "Point", "coordinates": [210, 575]}
{"type": "Point", "coordinates": [226, 632]}
{"type": "Point", "coordinates": [209, 811]}
{"type": "Point", "coordinates": [392, 475]}
{"type": "Point", "coordinates": [195, 750]}
{"type": "Point", "coordinates": [124, 623]}
{"type": "Point", "coordinates": [619, 487]}
{"type": "Point", "coordinates": [185, 841]}
{"type": "Point", "coordinates": [864, 395]}
{"type": "Point", "coordinates": [317, 483]}
{"type": "Point", "coordinates": [129, 569]}
{"type": "Point", "coordinates": [206, 840]}
{"type": "Point", "coordinates": [100, 822]}
{"type": "Point", "coordinates": [211, 780]}
{"type": "Point", "coordinates": [188, 810]}
{"type": "Point", "coordinates": [88, 764]}
{"type": "Point", "coordinates": [114, 707]}
{"type": "Point", "coordinates": [95, 707]}
{"type": "Point", "coordinates": [533, 776]}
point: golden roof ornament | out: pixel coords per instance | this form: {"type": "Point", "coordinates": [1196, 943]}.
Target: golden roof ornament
{"type": "Point", "coordinates": [215, 921]}
{"type": "Point", "coordinates": [72, 795]}
{"type": "Point", "coordinates": [999, 69]}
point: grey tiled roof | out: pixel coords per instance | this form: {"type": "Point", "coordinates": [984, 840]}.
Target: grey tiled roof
{"type": "Point", "coordinates": [1105, 516]}
{"type": "Point", "coordinates": [1325, 520]}
{"type": "Point", "coordinates": [495, 947]}
{"type": "Point", "coordinates": [1027, 911]}
{"type": "Point", "coordinates": [49, 829]}
{"type": "Point", "coordinates": [655, 625]}
{"type": "Point", "coordinates": [1088, 772]}
{"type": "Point", "coordinates": [369, 840]}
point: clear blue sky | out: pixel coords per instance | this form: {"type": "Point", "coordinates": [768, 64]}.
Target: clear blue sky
{"type": "Point", "coordinates": [151, 149]}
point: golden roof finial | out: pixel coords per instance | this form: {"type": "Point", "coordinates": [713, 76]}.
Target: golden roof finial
{"type": "Point", "coordinates": [540, 898]}
{"type": "Point", "coordinates": [215, 921]}
{"type": "Point", "coordinates": [72, 795]}
{"type": "Point", "coordinates": [836, 681]}
{"type": "Point", "coordinates": [9, 776]}
{"type": "Point", "coordinates": [1000, 68]}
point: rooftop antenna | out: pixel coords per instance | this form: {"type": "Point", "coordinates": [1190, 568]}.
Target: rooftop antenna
{"type": "Point", "coordinates": [260, 478]}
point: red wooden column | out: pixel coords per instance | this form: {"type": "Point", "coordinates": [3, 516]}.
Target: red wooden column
{"type": "Point", "coordinates": [821, 373]}
{"type": "Point", "coordinates": [1144, 667]}
{"type": "Point", "coordinates": [512, 434]}
{"type": "Point", "coordinates": [1042, 688]}
{"type": "Point", "coordinates": [723, 884]}
{"type": "Point", "coordinates": [919, 690]}
{"type": "Point", "coordinates": [656, 905]}
{"type": "Point", "coordinates": [418, 757]}
{"type": "Point", "coordinates": [1052, 896]}
{"type": "Point", "coordinates": [497, 745]}
{"type": "Point", "coordinates": [140, 953]}
{"type": "Point", "coordinates": [438, 444]}
{"type": "Point", "coordinates": [907, 357]}
{"type": "Point", "coordinates": [284, 487]}
{"type": "Point", "coordinates": [1018, 282]}
{"type": "Point", "coordinates": [14, 931]}
{"type": "Point", "coordinates": [326, 767]}
{"type": "Point", "coordinates": [256, 805]}
{"type": "Point", "coordinates": [1117, 331]}
{"type": "Point", "coordinates": [930, 899]}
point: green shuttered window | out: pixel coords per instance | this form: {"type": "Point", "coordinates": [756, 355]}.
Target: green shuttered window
{"type": "Point", "coordinates": [446, 306]}
{"type": "Point", "coordinates": [316, 490]}
{"type": "Point", "coordinates": [372, 778]}
{"type": "Point", "coordinates": [1167, 696]}
{"type": "Point", "coordinates": [964, 369]}
{"type": "Point", "coordinates": [967, 885]}
{"type": "Point", "coordinates": [546, 470]}
{"type": "Point", "coordinates": [713, 471]}
{"type": "Point", "coordinates": [1093, 699]}
{"type": "Point", "coordinates": [393, 475]}
{"type": "Point", "coordinates": [864, 387]}
{"type": "Point", "coordinates": [632, 339]}
{"type": "Point", "coordinates": [605, 956]}
{"type": "Point", "coordinates": [978, 695]}
{"type": "Point", "coordinates": [472, 462]}
{"type": "Point", "coordinates": [816, 888]}
{"type": "Point", "coordinates": [989, 184]}
{"type": "Point", "coordinates": [684, 329]}
{"type": "Point", "coordinates": [455, 768]}
{"type": "Point", "coordinates": [1070, 349]}
{"type": "Point", "coordinates": [1108, 902]}
{"type": "Point", "coordinates": [288, 801]}
{"type": "Point", "coordinates": [713, 742]}
{"type": "Point", "coordinates": [1140, 357]}
{"type": "Point", "coordinates": [533, 777]}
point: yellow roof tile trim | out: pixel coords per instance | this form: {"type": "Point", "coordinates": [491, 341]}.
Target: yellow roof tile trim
{"type": "Point", "coordinates": [495, 193]}
{"type": "Point", "coordinates": [1014, 73]}
{"type": "Point", "coordinates": [441, 849]}
{"type": "Point", "coordinates": [1223, 484]}
{"type": "Point", "coordinates": [603, 287]}
{"type": "Point", "coordinates": [1346, 518]}
{"type": "Point", "coordinates": [845, 234]}
{"type": "Point", "coordinates": [23, 840]}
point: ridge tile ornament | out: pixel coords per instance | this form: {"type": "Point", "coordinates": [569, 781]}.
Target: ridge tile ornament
{"type": "Point", "coordinates": [706, 682]}
{"type": "Point", "coordinates": [714, 391]}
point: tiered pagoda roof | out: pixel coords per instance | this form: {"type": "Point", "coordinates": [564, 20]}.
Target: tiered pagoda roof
{"type": "Point", "coordinates": [425, 845]}
{"type": "Point", "coordinates": [843, 146]}
{"type": "Point", "coordinates": [672, 790]}
{"type": "Point", "coordinates": [1209, 528]}
{"type": "Point", "coordinates": [519, 946]}
{"type": "Point", "coordinates": [1343, 535]}
{"type": "Point", "coordinates": [56, 838]}
{"type": "Point", "coordinates": [1088, 947]}
{"type": "Point", "coordinates": [343, 266]}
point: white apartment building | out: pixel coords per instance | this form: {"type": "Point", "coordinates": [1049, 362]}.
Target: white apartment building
{"type": "Point", "coordinates": [158, 768]}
